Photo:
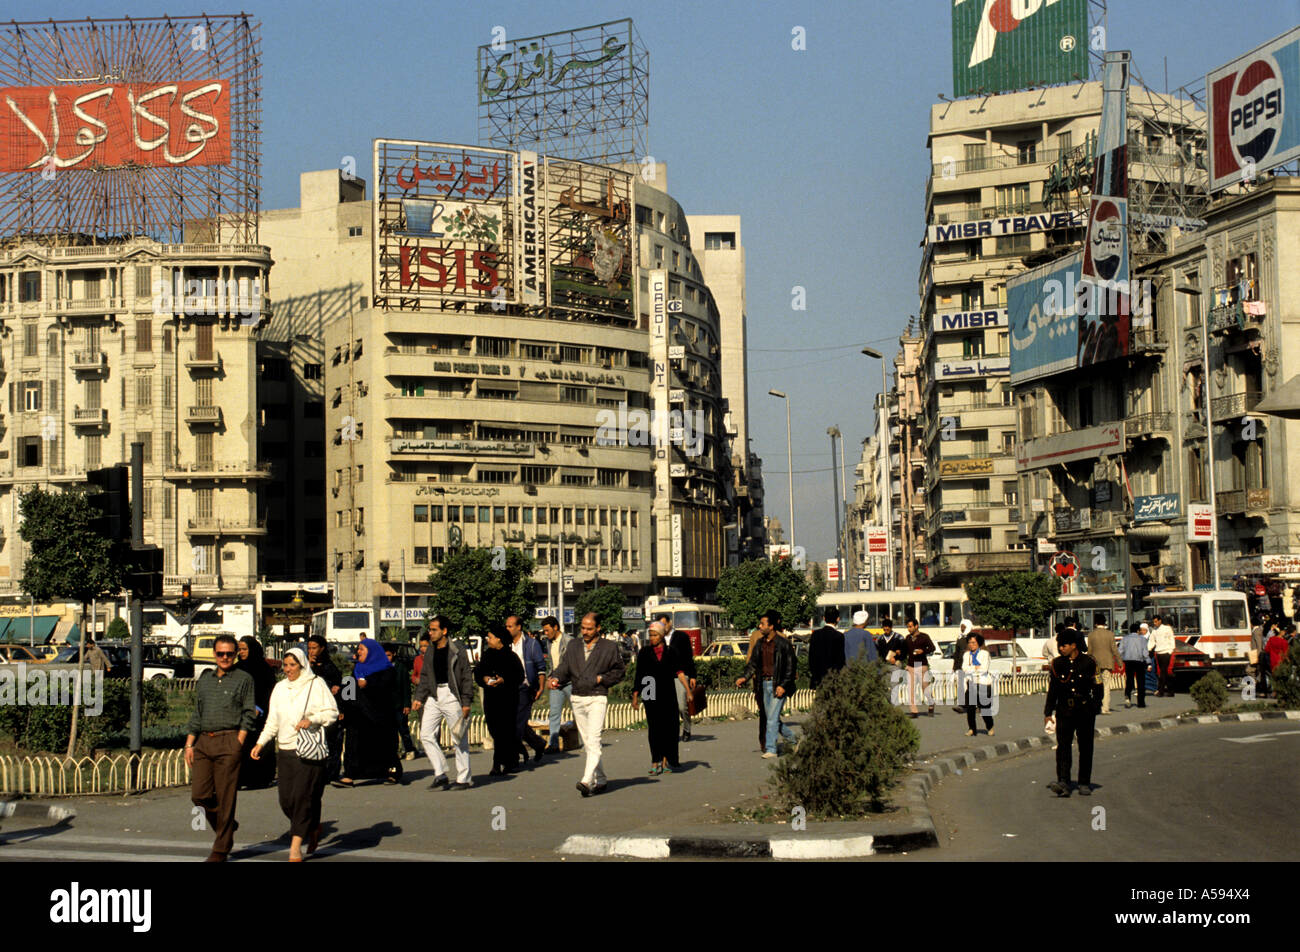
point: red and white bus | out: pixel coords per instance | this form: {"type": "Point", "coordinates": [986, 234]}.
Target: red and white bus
{"type": "Point", "coordinates": [704, 623]}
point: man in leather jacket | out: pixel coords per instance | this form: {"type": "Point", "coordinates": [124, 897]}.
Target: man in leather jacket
{"type": "Point", "coordinates": [1074, 698]}
{"type": "Point", "coordinates": [772, 667]}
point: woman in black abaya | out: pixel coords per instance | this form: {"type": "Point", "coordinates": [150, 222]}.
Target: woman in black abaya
{"type": "Point", "coordinates": [657, 667]}
{"type": "Point", "coordinates": [256, 773]}
{"type": "Point", "coordinates": [500, 673]}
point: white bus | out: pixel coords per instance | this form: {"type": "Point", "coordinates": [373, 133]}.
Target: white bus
{"type": "Point", "coordinates": [939, 611]}
{"type": "Point", "coordinates": [344, 625]}
{"type": "Point", "coordinates": [1113, 608]}
{"type": "Point", "coordinates": [1216, 622]}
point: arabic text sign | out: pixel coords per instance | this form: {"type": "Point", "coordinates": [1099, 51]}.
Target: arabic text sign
{"type": "Point", "coordinates": [877, 540]}
{"type": "Point", "coordinates": [1009, 225]}
{"type": "Point", "coordinates": [88, 126]}
{"type": "Point", "coordinates": [966, 467]}
{"type": "Point", "coordinates": [537, 65]}
{"type": "Point", "coordinates": [1200, 521]}
{"type": "Point", "coordinates": [975, 367]}
{"type": "Point", "coordinates": [1254, 111]}
{"type": "Point", "coordinates": [1042, 314]}
{"type": "Point", "coordinates": [1162, 506]}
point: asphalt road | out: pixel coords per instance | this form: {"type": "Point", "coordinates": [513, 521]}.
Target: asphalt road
{"type": "Point", "coordinates": [1220, 792]}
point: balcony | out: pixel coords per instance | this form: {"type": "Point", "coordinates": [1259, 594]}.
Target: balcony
{"type": "Point", "coordinates": [90, 418]}
{"type": "Point", "coordinates": [203, 415]}
{"type": "Point", "coordinates": [196, 361]}
{"type": "Point", "coordinates": [1147, 341]}
{"type": "Point", "coordinates": [1247, 502]}
{"type": "Point", "coordinates": [989, 163]}
{"type": "Point", "coordinates": [1149, 426]}
{"type": "Point", "coordinates": [212, 526]}
{"type": "Point", "coordinates": [1239, 316]}
{"type": "Point", "coordinates": [958, 563]}
{"type": "Point", "coordinates": [90, 361]}
{"type": "Point", "coordinates": [89, 306]}
{"type": "Point", "coordinates": [1234, 405]}
{"type": "Point", "coordinates": [211, 469]}
{"type": "Point", "coordinates": [172, 583]}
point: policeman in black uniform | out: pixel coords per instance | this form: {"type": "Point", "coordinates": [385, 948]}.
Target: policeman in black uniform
{"type": "Point", "coordinates": [1074, 697]}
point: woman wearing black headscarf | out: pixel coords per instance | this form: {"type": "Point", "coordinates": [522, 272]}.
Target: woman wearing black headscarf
{"type": "Point", "coordinates": [500, 673]}
{"type": "Point", "coordinates": [370, 743]}
{"type": "Point", "coordinates": [657, 667]}
{"type": "Point", "coordinates": [256, 773]}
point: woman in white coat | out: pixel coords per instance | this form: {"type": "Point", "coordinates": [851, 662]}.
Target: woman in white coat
{"type": "Point", "coordinates": [979, 683]}
{"type": "Point", "coordinates": [300, 702]}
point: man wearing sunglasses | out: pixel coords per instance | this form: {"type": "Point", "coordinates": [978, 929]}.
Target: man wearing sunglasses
{"type": "Point", "coordinates": [224, 713]}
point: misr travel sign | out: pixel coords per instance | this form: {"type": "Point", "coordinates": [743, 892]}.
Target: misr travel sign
{"type": "Point", "coordinates": [1007, 225]}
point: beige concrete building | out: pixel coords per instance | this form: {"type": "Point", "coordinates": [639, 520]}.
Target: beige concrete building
{"type": "Point", "coordinates": [1007, 189]}
{"type": "Point", "coordinates": [446, 427]}
{"type": "Point", "coordinates": [111, 343]}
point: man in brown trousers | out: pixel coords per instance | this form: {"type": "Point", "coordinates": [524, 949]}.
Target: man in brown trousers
{"type": "Point", "coordinates": [224, 713]}
{"type": "Point", "coordinates": [1101, 648]}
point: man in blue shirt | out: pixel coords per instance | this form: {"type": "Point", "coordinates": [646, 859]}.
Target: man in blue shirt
{"type": "Point", "coordinates": [858, 644]}
{"type": "Point", "coordinates": [1133, 650]}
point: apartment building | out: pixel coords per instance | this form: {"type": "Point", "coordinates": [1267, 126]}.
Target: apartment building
{"type": "Point", "coordinates": [112, 342]}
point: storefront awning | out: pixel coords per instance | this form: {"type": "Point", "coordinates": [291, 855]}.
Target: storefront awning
{"type": "Point", "coordinates": [20, 628]}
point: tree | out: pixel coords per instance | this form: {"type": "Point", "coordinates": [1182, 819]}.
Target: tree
{"type": "Point", "coordinates": [68, 560]}
{"type": "Point", "coordinates": [118, 630]}
{"type": "Point", "coordinates": [473, 594]}
{"type": "Point", "coordinates": [607, 602]}
{"type": "Point", "coordinates": [1013, 600]}
{"type": "Point", "coordinates": [855, 744]}
{"type": "Point", "coordinates": [817, 580]}
{"type": "Point", "coordinates": [753, 587]}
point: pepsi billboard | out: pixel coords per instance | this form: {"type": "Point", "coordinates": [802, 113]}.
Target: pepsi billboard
{"type": "Point", "coordinates": [1254, 106]}
{"type": "Point", "coordinates": [1001, 45]}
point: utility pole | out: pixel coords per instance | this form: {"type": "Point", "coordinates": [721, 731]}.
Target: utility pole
{"type": "Point", "coordinates": [137, 603]}
{"type": "Point", "coordinates": [833, 433]}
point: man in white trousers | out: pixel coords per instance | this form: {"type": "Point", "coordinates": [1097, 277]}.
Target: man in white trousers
{"type": "Point", "coordinates": [447, 683]}
{"type": "Point", "coordinates": [592, 665]}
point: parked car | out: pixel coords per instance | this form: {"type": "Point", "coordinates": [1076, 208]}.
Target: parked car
{"type": "Point", "coordinates": [12, 654]}
{"type": "Point", "coordinates": [157, 662]}
{"type": "Point", "coordinates": [1000, 658]}
{"type": "Point", "coordinates": [727, 648]}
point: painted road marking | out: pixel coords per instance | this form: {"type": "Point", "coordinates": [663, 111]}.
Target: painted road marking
{"type": "Point", "coordinates": [1257, 738]}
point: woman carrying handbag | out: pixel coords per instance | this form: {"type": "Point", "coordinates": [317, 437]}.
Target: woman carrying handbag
{"type": "Point", "coordinates": [302, 706]}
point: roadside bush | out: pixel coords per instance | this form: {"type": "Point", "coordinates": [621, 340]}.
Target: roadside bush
{"type": "Point", "coordinates": [720, 674]}
{"type": "Point", "coordinates": [47, 727]}
{"type": "Point", "coordinates": [1286, 678]}
{"type": "Point", "coordinates": [1210, 692]}
{"type": "Point", "coordinates": [855, 744]}
{"type": "Point", "coordinates": [118, 630]}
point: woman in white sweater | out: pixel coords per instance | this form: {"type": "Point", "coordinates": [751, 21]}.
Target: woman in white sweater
{"type": "Point", "coordinates": [979, 683]}
{"type": "Point", "coordinates": [300, 702]}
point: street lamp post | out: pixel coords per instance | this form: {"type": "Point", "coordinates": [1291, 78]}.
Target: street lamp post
{"type": "Point", "coordinates": [1209, 425]}
{"type": "Point", "coordinates": [834, 433]}
{"type": "Point", "coordinates": [889, 476]}
{"type": "Point", "coordinates": [789, 452]}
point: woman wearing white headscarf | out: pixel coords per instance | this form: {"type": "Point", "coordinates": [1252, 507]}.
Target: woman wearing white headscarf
{"type": "Point", "coordinates": [300, 702]}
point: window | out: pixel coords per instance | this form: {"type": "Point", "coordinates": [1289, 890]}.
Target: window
{"type": "Point", "coordinates": [468, 514]}
{"type": "Point", "coordinates": [1026, 152]}
{"type": "Point", "coordinates": [974, 156]}
{"type": "Point", "coordinates": [492, 347]}
{"type": "Point", "coordinates": [435, 513]}
{"type": "Point", "coordinates": [203, 341]}
{"type": "Point", "coordinates": [421, 555]}
{"type": "Point", "coordinates": [421, 514]}
{"type": "Point", "coordinates": [203, 504]}
{"type": "Point", "coordinates": [354, 231]}
{"type": "Point", "coordinates": [1010, 199]}
{"type": "Point", "coordinates": [580, 517]}
{"type": "Point", "coordinates": [513, 515]}
{"type": "Point", "coordinates": [453, 513]}
{"type": "Point", "coordinates": [167, 449]}
{"type": "Point", "coordinates": [146, 438]}
{"type": "Point", "coordinates": [528, 515]}
{"type": "Point", "coordinates": [313, 371]}
{"type": "Point", "coordinates": [484, 514]}
{"type": "Point", "coordinates": [93, 447]}
{"type": "Point", "coordinates": [495, 476]}
{"type": "Point", "coordinates": [498, 515]}
{"type": "Point", "coordinates": [29, 451]}
{"type": "Point", "coordinates": [29, 286]}
{"type": "Point", "coordinates": [972, 347]}
{"type": "Point", "coordinates": [31, 395]}
{"type": "Point", "coordinates": [412, 387]}
{"type": "Point", "coordinates": [1064, 142]}
{"type": "Point", "coordinates": [144, 392]}
{"type": "Point", "coordinates": [143, 281]}
{"type": "Point", "coordinates": [143, 336]}
{"type": "Point", "coordinates": [719, 241]}
{"type": "Point", "coordinates": [541, 516]}
{"type": "Point", "coordinates": [203, 449]}
{"type": "Point", "coordinates": [30, 340]}
{"type": "Point", "coordinates": [1012, 244]}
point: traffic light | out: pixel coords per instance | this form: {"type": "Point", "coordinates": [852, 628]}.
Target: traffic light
{"type": "Point", "coordinates": [146, 577]}
{"type": "Point", "coordinates": [114, 519]}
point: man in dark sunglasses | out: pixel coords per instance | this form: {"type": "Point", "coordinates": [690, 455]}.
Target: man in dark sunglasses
{"type": "Point", "coordinates": [224, 713]}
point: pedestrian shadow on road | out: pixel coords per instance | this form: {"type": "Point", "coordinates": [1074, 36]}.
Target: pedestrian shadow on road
{"type": "Point", "coordinates": [363, 839]}
{"type": "Point", "coordinates": [620, 784]}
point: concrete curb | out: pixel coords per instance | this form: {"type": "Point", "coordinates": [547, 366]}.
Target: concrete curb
{"type": "Point", "coordinates": [36, 811]}
{"type": "Point", "coordinates": [920, 834]}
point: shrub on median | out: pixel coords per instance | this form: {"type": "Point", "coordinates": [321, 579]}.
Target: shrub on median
{"type": "Point", "coordinates": [1210, 692]}
{"type": "Point", "coordinates": [855, 744]}
{"type": "Point", "coordinates": [1286, 678]}
{"type": "Point", "coordinates": [46, 727]}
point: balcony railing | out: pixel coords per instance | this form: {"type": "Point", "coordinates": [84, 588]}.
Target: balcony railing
{"type": "Point", "coordinates": [211, 469]}
{"type": "Point", "coordinates": [89, 306]}
{"type": "Point", "coordinates": [195, 414]}
{"type": "Point", "coordinates": [1237, 316]}
{"type": "Point", "coordinates": [95, 417]}
{"type": "Point", "coordinates": [90, 360]}
{"type": "Point", "coordinates": [1234, 404]}
{"type": "Point", "coordinates": [213, 526]}
{"type": "Point", "coordinates": [197, 361]}
{"type": "Point", "coordinates": [1149, 425]}
{"type": "Point", "coordinates": [1148, 341]}
{"type": "Point", "coordinates": [1248, 501]}
{"type": "Point", "coordinates": [989, 163]}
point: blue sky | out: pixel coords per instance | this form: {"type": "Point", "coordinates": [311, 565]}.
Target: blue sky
{"type": "Point", "coordinates": [821, 151]}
